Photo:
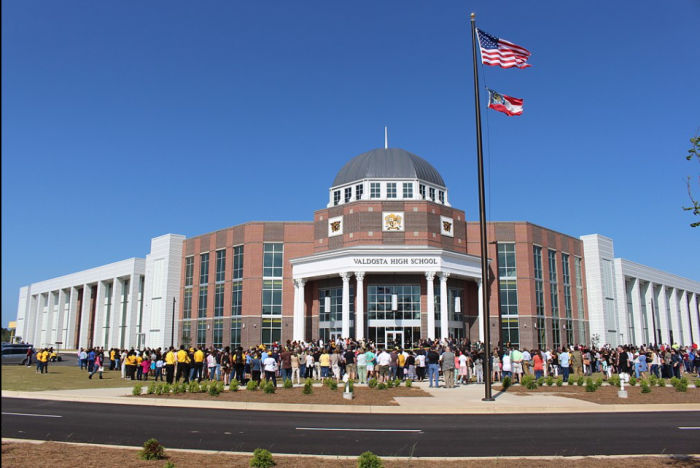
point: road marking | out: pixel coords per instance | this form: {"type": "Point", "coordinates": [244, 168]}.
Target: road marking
{"type": "Point", "coordinates": [688, 427]}
{"type": "Point", "coordinates": [36, 415]}
{"type": "Point", "coordinates": [355, 430]}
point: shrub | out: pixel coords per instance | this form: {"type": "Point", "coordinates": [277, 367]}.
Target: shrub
{"type": "Point", "coordinates": [308, 387]}
{"type": "Point", "coordinates": [529, 382]}
{"type": "Point", "coordinates": [160, 389]}
{"type": "Point", "coordinates": [137, 390]}
{"type": "Point", "coordinates": [252, 385]}
{"type": "Point", "coordinates": [662, 383]}
{"type": "Point", "coordinates": [233, 386]}
{"type": "Point", "coordinates": [351, 385]}
{"type": "Point", "coordinates": [633, 381]}
{"type": "Point", "coordinates": [507, 382]}
{"type": "Point", "coordinates": [560, 381]}
{"type": "Point", "coordinates": [549, 380]}
{"type": "Point", "coordinates": [288, 384]}
{"type": "Point", "coordinates": [674, 382]}
{"type": "Point", "coordinates": [193, 387]}
{"type": "Point", "coordinates": [372, 383]}
{"type": "Point", "coordinates": [262, 458]}
{"type": "Point", "coordinates": [333, 385]}
{"type": "Point", "coordinates": [220, 386]}
{"type": "Point", "coordinates": [204, 388]}
{"type": "Point", "coordinates": [214, 390]}
{"type": "Point", "coordinates": [397, 382]}
{"type": "Point", "coordinates": [697, 383]}
{"type": "Point", "coordinates": [653, 380]}
{"type": "Point", "coordinates": [269, 388]}
{"type": "Point", "coordinates": [614, 380]}
{"type": "Point", "coordinates": [151, 388]}
{"type": "Point", "coordinates": [369, 460]}
{"type": "Point", "coordinates": [152, 450]}
{"type": "Point", "coordinates": [327, 381]}
{"type": "Point", "coordinates": [409, 383]}
{"type": "Point", "coordinates": [682, 386]}
{"type": "Point", "coordinates": [590, 385]}
{"type": "Point", "coordinates": [580, 381]}
{"type": "Point", "coordinates": [389, 384]}
{"type": "Point", "coordinates": [599, 382]}
{"type": "Point", "coordinates": [381, 386]}
{"type": "Point", "coordinates": [540, 381]}
{"type": "Point", "coordinates": [167, 388]}
{"type": "Point", "coordinates": [645, 387]}
{"type": "Point", "coordinates": [169, 464]}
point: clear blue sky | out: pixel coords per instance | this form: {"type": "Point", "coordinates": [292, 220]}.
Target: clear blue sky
{"type": "Point", "coordinates": [122, 121]}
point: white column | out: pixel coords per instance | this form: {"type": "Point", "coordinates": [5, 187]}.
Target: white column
{"type": "Point", "coordinates": [430, 276]}
{"type": "Point", "coordinates": [675, 319]}
{"type": "Point", "coordinates": [114, 326]}
{"type": "Point", "coordinates": [444, 316]}
{"type": "Point", "coordinates": [302, 310]}
{"type": "Point", "coordinates": [73, 313]}
{"type": "Point", "coordinates": [479, 283]}
{"type": "Point", "coordinates": [98, 335]}
{"type": "Point", "coordinates": [84, 315]}
{"type": "Point", "coordinates": [360, 305]}
{"type": "Point", "coordinates": [299, 322]}
{"type": "Point", "coordinates": [685, 319]}
{"type": "Point", "coordinates": [663, 317]}
{"type": "Point", "coordinates": [694, 319]}
{"type": "Point", "coordinates": [132, 313]}
{"type": "Point", "coordinates": [346, 303]}
{"type": "Point", "coordinates": [638, 337]}
{"type": "Point", "coordinates": [61, 315]}
{"type": "Point", "coordinates": [651, 320]}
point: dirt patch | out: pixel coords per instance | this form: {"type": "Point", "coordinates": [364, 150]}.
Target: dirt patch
{"type": "Point", "coordinates": [321, 396]}
{"type": "Point", "coordinates": [57, 455]}
{"type": "Point", "coordinates": [608, 395]}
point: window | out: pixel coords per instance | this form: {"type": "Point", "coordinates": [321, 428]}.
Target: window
{"type": "Point", "coordinates": [539, 298]}
{"type": "Point", "coordinates": [335, 311]}
{"type": "Point", "coordinates": [272, 297]}
{"type": "Point", "coordinates": [454, 296]}
{"type": "Point", "coordinates": [236, 298]}
{"type": "Point", "coordinates": [391, 190]}
{"type": "Point", "coordinates": [348, 194]}
{"type": "Point", "coordinates": [202, 306]}
{"type": "Point", "coordinates": [379, 302]}
{"type": "Point", "coordinates": [421, 191]}
{"type": "Point", "coordinates": [510, 329]}
{"type": "Point", "coordinates": [272, 260]}
{"type": "Point", "coordinates": [336, 197]}
{"type": "Point", "coordinates": [441, 196]}
{"type": "Point", "coordinates": [238, 262]}
{"type": "Point", "coordinates": [408, 190]}
{"type": "Point", "coordinates": [201, 332]}
{"type": "Point", "coordinates": [579, 286]}
{"type": "Point", "coordinates": [204, 268]}
{"type": "Point", "coordinates": [218, 337]}
{"type": "Point", "coordinates": [189, 271]}
{"type": "Point", "coordinates": [506, 261]}
{"type": "Point", "coordinates": [508, 284]}
{"type": "Point", "coordinates": [554, 297]}
{"type": "Point", "coordinates": [220, 266]}
{"type": "Point", "coordinates": [187, 304]}
{"type": "Point", "coordinates": [359, 190]}
{"type": "Point", "coordinates": [271, 330]}
{"type": "Point", "coordinates": [432, 193]}
{"type": "Point", "coordinates": [219, 300]}
{"type": "Point", "coordinates": [375, 190]}
{"type": "Point", "coordinates": [186, 336]}
{"type": "Point", "coordinates": [235, 333]}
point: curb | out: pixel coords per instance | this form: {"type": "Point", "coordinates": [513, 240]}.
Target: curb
{"type": "Point", "coordinates": [487, 408]}
{"type": "Point", "coordinates": [353, 457]}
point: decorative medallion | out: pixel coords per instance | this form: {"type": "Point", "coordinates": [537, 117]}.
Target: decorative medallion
{"type": "Point", "coordinates": [335, 226]}
{"type": "Point", "coordinates": [447, 226]}
{"type": "Point", "coordinates": [393, 221]}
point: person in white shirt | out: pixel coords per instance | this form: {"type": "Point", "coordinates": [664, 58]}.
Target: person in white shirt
{"type": "Point", "coordinates": [383, 361]}
{"type": "Point", "coordinates": [270, 366]}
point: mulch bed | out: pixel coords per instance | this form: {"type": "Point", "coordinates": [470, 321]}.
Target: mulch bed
{"type": "Point", "coordinates": [606, 395]}
{"type": "Point", "coordinates": [57, 455]}
{"type": "Point", "coordinates": [321, 396]}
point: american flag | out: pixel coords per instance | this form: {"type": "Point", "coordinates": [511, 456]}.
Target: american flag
{"type": "Point", "coordinates": [496, 51]}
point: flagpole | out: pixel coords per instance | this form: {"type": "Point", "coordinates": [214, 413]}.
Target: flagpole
{"type": "Point", "coordinates": [482, 226]}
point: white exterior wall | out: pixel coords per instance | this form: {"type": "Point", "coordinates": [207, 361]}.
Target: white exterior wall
{"type": "Point", "coordinates": [677, 294]}
{"type": "Point", "coordinates": [163, 271]}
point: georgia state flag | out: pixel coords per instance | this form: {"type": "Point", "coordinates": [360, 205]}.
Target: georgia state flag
{"type": "Point", "coordinates": [506, 104]}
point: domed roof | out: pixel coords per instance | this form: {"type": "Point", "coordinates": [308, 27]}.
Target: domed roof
{"type": "Point", "coordinates": [388, 163]}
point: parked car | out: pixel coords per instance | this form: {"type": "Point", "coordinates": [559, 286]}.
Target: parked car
{"type": "Point", "coordinates": [16, 353]}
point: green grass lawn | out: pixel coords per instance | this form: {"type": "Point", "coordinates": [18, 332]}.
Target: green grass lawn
{"type": "Point", "coordinates": [22, 378]}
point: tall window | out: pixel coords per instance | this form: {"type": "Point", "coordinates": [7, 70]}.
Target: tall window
{"type": "Point", "coordinates": [235, 333]}
{"type": "Point", "coordinates": [441, 196]}
{"type": "Point", "coordinates": [201, 332]}
{"type": "Point", "coordinates": [379, 302]}
{"type": "Point", "coordinates": [391, 190]}
{"type": "Point", "coordinates": [187, 304]}
{"type": "Point", "coordinates": [432, 193]}
{"type": "Point", "coordinates": [237, 286]}
{"type": "Point", "coordinates": [218, 337]}
{"type": "Point", "coordinates": [271, 330]}
{"type": "Point", "coordinates": [272, 260]}
{"type": "Point", "coordinates": [375, 190]}
{"type": "Point", "coordinates": [336, 197]}
{"type": "Point", "coordinates": [566, 275]}
{"type": "Point", "coordinates": [421, 191]}
{"type": "Point", "coordinates": [272, 297]}
{"type": "Point", "coordinates": [189, 271]}
{"type": "Point", "coordinates": [359, 190]}
{"type": "Point", "coordinates": [508, 293]}
{"type": "Point", "coordinates": [539, 298]}
{"type": "Point", "coordinates": [554, 297]}
{"type": "Point", "coordinates": [220, 266]}
{"type": "Point", "coordinates": [408, 190]}
{"type": "Point", "coordinates": [204, 268]}
{"type": "Point", "coordinates": [334, 312]}
{"type": "Point", "coordinates": [189, 280]}
{"type": "Point", "coordinates": [348, 194]}
{"type": "Point", "coordinates": [219, 300]}
{"type": "Point", "coordinates": [238, 262]}
{"type": "Point", "coordinates": [202, 305]}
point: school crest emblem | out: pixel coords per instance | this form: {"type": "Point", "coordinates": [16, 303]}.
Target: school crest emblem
{"type": "Point", "coordinates": [393, 222]}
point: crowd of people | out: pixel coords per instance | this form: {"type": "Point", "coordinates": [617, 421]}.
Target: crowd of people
{"type": "Point", "coordinates": [455, 361]}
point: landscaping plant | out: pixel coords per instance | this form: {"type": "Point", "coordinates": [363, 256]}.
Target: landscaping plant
{"type": "Point", "coordinates": [369, 460]}
{"type": "Point", "coordinates": [152, 450]}
{"type": "Point", "coordinates": [233, 386]}
{"type": "Point", "coordinates": [662, 383]}
{"type": "Point", "coordinates": [252, 385]}
{"type": "Point", "coordinates": [549, 380]}
{"type": "Point", "coordinates": [560, 381]}
{"type": "Point", "coordinates": [308, 387]}
{"type": "Point", "coordinates": [540, 381]}
{"type": "Point", "coordinates": [262, 459]}
{"type": "Point", "coordinates": [269, 388]}
{"type": "Point", "coordinates": [633, 381]}
{"type": "Point", "coordinates": [151, 388]}
{"type": "Point", "coordinates": [137, 390]}
{"type": "Point", "coordinates": [507, 382]}
{"type": "Point", "coordinates": [409, 383]}
{"type": "Point", "coordinates": [381, 386]}
{"type": "Point", "coordinates": [645, 387]}
{"type": "Point", "coordinates": [590, 385]}
{"type": "Point", "coordinates": [288, 384]}
{"type": "Point", "coordinates": [372, 383]}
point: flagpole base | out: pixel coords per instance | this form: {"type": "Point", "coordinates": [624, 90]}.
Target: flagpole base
{"type": "Point", "coordinates": [488, 399]}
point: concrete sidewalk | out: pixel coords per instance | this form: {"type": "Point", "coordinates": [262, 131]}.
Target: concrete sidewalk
{"type": "Point", "coordinates": [460, 400]}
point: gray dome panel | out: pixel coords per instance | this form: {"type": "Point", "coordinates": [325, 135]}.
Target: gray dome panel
{"type": "Point", "coordinates": [388, 163]}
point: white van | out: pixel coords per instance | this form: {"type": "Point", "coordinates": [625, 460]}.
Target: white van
{"type": "Point", "coordinates": [16, 353]}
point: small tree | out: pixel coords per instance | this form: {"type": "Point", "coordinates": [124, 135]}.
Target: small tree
{"type": "Point", "coordinates": [152, 450]}
{"type": "Point", "coordinates": [369, 460]}
{"type": "Point", "coordinates": [262, 459]}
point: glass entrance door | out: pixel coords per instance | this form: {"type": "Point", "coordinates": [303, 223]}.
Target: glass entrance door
{"type": "Point", "coordinates": [394, 339]}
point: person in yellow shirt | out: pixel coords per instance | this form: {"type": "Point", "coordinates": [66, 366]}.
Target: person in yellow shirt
{"type": "Point", "coordinates": [40, 362]}
{"type": "Point", "coordinates": [131, 365]}
{"type": "Point", "coordinates": [170, 365]}
{"type": "Point", "coordinates": [183, 365]}
{"type": "Point", "coordinates": [198, 364]}
{"type": "Point", "coordinates": [112, 359]}
{"type": "Point", "coordinates": [325, 364]}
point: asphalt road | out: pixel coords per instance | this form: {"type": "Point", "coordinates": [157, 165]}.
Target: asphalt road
{"type": "Point", "coordinates": [349, 434]}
